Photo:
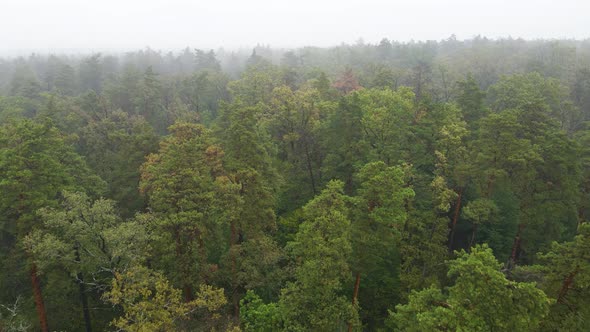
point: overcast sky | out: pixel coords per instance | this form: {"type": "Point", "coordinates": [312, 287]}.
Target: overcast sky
{"type": "Point", "coordinates": [173, 24]}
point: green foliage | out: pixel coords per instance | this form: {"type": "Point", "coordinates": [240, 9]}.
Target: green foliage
{"type": "Point", "coordinates": [322, 248]}
{"type": "Point", "coordinates": [202, 92]}
{"type": "Point", "coordinates": [423, 147]}
{"type": "Point", "coordinates": [522, 90]}
{"type": "Point", "coordinates": [88, 237]}
{"type": "Point", "coordinates": [150, 303]}
{"type": "Point", "coordinates": [378, 222]}
{"type": "Point", "coordinates": [346, 149]}
{"type": "Point", "coordinates": [12, 108]}
{"type": "Point", "coordinates": [259, 266]}
{"type": "Point", "coordinates": [294, 121]}
{"type": "Point", "coordinates": [249, 165]}
{"type": "Point", "coordinates": [499, 232]}
{"type": "Point", "coordinates": [480, 210]}
{"type": "Point", "coordinates": [11, 319]}
{"type": "Point", "coordinates": [386, 117]}
{"type": "Point", "coordinates": [25, 83]}
{"type": "Point", "coordinates": [36, 165]}
{"type": "Point", "coordinates": [566, 277]}
{"type": "Point", "coordinates": [180, 183]}
{"type": "Point", "coordinates": [480, 299]}
{"type": "Point", "coordinates": [115, 146]}
{"type": "Point", "coordinates": [258, 316]}
{"type": "Point", "coordinates": [256, 83]}
{"type": "Point", "coordinates": [471, 100]}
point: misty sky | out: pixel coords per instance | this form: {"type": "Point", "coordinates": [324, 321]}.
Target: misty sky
{"type": "Point", "coordinates": [173, 24]}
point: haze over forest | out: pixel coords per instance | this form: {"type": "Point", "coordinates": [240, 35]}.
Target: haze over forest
{"type": "Point", "coordinates": [78, 26]}
{"type": "Point", "coordinates": [294, 166]}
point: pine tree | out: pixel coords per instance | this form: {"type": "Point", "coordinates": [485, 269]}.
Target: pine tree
{"type": "Point", "coordinates": [480, 299]}
{"type": "Point", "coordinates": [181, 189]}
{"type": "Point", "coordinates": [36, 165]}
{"type": "Point", "coordinates": [322, 248]}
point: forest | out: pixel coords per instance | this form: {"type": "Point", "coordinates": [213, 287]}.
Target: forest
{"type": "Point", "coordinates": [396, 186]}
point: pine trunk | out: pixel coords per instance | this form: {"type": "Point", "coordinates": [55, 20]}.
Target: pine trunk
{"type": "Point", "coordinates": [565, 287]}
{"type": "Point", "coordinates": [83, 297]}
{"type": "Point", "coordinates": [84, 300]}
{"type": "Point", "coordinates": [187, 289]}
{"type": "Point", "coordinates": [515, 247]}
{"type": "Point", "coordinates": [234, 272]}
{"type": "Point", "coordinates": [39, 305]}
{"type": "Point", "coordinates": [355, 295]}
{"type": "Point", "coordinates": [455, 218]}
{"type": "Point", "coordinates": [310, 169]}
{"type": "Point", "coordinates": [473, 234]}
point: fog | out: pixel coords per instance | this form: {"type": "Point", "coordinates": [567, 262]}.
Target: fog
{"type": "Point", "coordinates": [70, 25]}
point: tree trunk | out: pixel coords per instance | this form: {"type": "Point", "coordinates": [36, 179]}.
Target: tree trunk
{"type": "Point", "coordinates": [310, 169]}
{"type": "Point", "coordinates": [473, 234]}
{"type": "Point", "coordinates": [187, 289]}
{"type": "Point", "coordinates": [432, 230]}
{"type": "Point", "coordinates": [39, 305]}
{"type": "Point", "coordinates": [84, 300]}
{"type": "Point", "coordinates": [83, 297]}
{"type": "Point", "coordinates": [455, 218]}
{"type": "Point", "coordinates": [515, 247]}
{"type": "Point", "coordinates": [202, 256]}
{"type": "Point", "coordinates": [565, 287]}
{"type": "Point", "coordinates": [355, 294]}
{"type": "Point", "coordinates": [234, 272]}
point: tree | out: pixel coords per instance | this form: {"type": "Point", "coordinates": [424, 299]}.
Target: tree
{"type": "Point", "coordinates": [65, 80]}
{"type": "Point", "coordinates": [11, 319]}
{"type": "Point", "coordinates": [322, 249]}
{"type": "Point", "coordinates": [522, 90]}
{"type": "Point", "coordinates": [255, 315]}
{"type": "Point", "coordinates": [421, 79]}
{"type": "Point", "coordinates": [376, 232]}
{"type": "Point", "coordinates": [206, 61]}
{"type": "Point", "coordinates": [471, 100]}
{"type": "Point", "coordinates": [386, 119]}
{"type": "Point", "coordinates": [504, 161]}
{"type": "Point", "coordinates": [385, 77]}
{"type": "Point", "coordinates": [453, 164]}
{"type": "Point", "coordinates": [115, 147]}
{"type": "Point", "coordinates": [480, 299]}
{"type": "Point", "coordinates": [346, 149]}
{"type": "Point", "coordinates": [12, 108]}
{"type": "Point", "coordinates": [150, 303]}
{"type": "Point", "coordinates": [89, 241]}
{"type": "Point", "coordinates": [256, 83]}
{"type": "Point", "coordinates": [385, 50]}
{"type": "Point", "coordinates": [124, 92]}
{"type": "Point", "coordinates": [581, 94]}
{"type": "Point", "coordinates": [149, 101]}
{"type": "Point", "coordinates": [322, 84]}
{"type": "Point", "coordinates": [478, 212]}
{"type": "Point", "coordinates": [423, 247]}
{"type": "Point", "coordinates": [202, 92]}
{"type": "Point", "coordinates": [25, 83]}
{"type": "Point", "coordinates": [583, 138]}
{"type": "Point", "coordinates": [543, 177]}
{"type": "Point", "coordinates": [254, 180]}
{"type": "Point", "coordinates": [347, 82]}
{"type": "Point", "coordinates": [90, 73]}
{"type": "Point", "coordinates": [63, 111]}
{"type": "Point", "coordinates": [36, 165]}
{"type": "Point", "coordinates": [180, 185]}
{"type": "Point", "coordinates": [294, 123]}
{"type": "Point", "coordinates": [565, 273]}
